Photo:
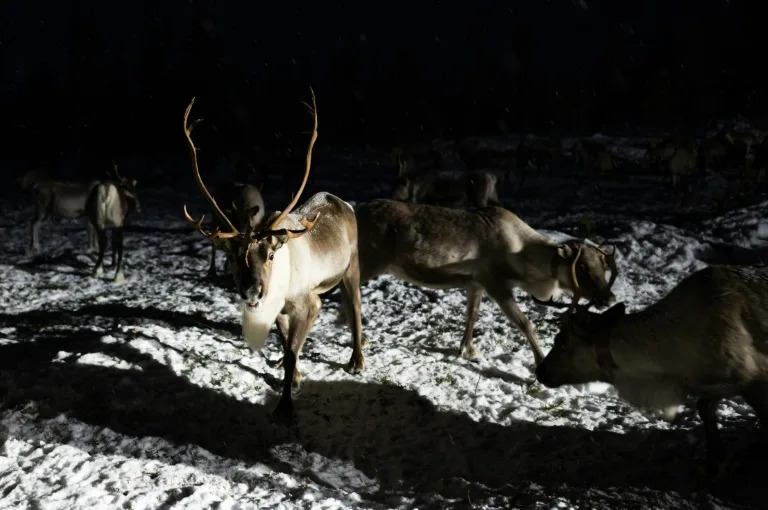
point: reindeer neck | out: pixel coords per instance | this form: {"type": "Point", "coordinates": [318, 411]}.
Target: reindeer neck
{"type": "Point", "coordinates": [637, 340]}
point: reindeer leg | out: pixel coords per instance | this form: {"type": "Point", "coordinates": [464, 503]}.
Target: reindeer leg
{"type": "Point", "coordinates": [114, 246]}
{"type": "Point", "coordinates": [283, 329]}
{"type": "Point", "coordinates": [506, 301]}
{"type": "Point", "coordinates": [212, 268]}
{"type": "Point", "coordinates": [102, 237]}
{"type": "Point", "coordinates": [117, 238]}
{"type": "Point", "coordinates": [352, 302]}
{"type": "Point", "coordinates": [708, 413]}
{"type": "Point", "coordinates": [34, 245]}
{"type": "Point", "coordinates": [300, 323]}
{"type": "Point", "coordinates": [474, 297]}
{"type": "Point", "coordinates": [93, 238]}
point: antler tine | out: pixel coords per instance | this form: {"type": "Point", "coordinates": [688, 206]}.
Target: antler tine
{"type": "Point", "coordinates": [551, 303]}
{"type": "Point", "coordinates": [308, 225]}
{"type": "Point", "coordinates": [216, 234]}
{"type": "Point", "coordinates": [312, 140]}
{"type": "Point", "coordinates": [114, 169]}
{"type": "Point", "coordinates": [193, 151]}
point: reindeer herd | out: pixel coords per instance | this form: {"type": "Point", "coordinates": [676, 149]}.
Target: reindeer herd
{"type": "Point", "coordinates": [708, 337]}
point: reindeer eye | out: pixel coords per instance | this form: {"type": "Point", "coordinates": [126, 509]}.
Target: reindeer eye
{"type": "Point", "coordinates": [271, 256]}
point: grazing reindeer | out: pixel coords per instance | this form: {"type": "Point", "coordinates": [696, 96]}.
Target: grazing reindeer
{"type": "Point", "coordinates": [427, 187]}
{"type": "Point", "coordinates": [63, 199]}
{"type": "Point", "coordinates": [708, 337]}
{"type": "Point", "coordinates": [108, 205]}
{"type": "Point", "coordinates": [245, 205]}
{"type": "Point", "coordinates": [490, 250]}
{"type": "Point", "coordinates": [281, 270]}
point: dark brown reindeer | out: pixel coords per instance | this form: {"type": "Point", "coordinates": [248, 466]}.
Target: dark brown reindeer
{"type": "Point", "coordinates": [244, 203]}
{"type": "Point", "coordinates": [281, 268]}
{"type": "Point", "coordinates": [59, 198]}
{"type": "Point", "coordinates": [708, 338]}
{"type": "Point", "coordinates": [107, 206]}
{"type": "Point", "coordinates": [486, 251]}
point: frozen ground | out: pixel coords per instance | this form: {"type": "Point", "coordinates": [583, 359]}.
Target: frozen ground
{"type": "Point", "coordinates": [144, 396]}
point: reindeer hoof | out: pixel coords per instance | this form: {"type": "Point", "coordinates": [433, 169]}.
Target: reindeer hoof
{"type": "Point", "coordinates": [119, 279]}
{"type": "Point", "coordinates": [296, 382]}
{"type": "Point", "coordinates": [356, 365]}
{"type": "Point", "coordinates": [283, 413]}
{"type": "Point", "coordinates": [469, 353]}
{"type": "Point", "coordinates": [98, 272]}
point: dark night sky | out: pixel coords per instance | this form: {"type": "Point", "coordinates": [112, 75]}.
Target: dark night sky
{"type": "Point", "coordinates": [383, 70]}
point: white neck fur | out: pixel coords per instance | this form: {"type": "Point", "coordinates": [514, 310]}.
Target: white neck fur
{"type": "Point", "coordinates": [258, 321]}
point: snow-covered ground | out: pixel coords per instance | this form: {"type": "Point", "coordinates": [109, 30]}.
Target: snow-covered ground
{"type": "Point", "coordinates": [144, 395]}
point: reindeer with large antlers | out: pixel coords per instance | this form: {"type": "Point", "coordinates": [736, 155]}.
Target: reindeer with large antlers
{"type": "Point", "coordinates": [281, 268]}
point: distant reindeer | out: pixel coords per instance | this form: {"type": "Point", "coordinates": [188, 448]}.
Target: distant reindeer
{"type": "Point", "coordinates": [281, 268]}
{"type": "Point", "coordinates": [59, 198]}
{"type": "Point", "coordinates": [708, 337]}
{"type": "Point", "coordinates": [107, 206]}
{"type": "Point", "coordinates": [28, 179]}
{"type": "Point", "coordinates": [490, 250]}
{"type": "Point", "coordinates": [244, 203]}
{"type": "Point", "coordinates": [476, 188]}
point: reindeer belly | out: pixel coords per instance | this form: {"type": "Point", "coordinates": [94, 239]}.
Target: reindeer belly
{"type": "Point", "coordinates": [438, 278]}
{"type": "Point", "coordinates": [69, 207]}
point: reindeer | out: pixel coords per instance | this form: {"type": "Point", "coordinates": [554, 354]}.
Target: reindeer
{"type": "Point", "coordinates": [59, 198]}
{"type": "Point", "coordinates": [708, 337]}
{"type": "Point", "coordinates": [486, 251]}
{"type": "Point", "coordinates": [27, 180]}
{"type": "Point", "coordinates": [245, 206]}
{"type": "Point", "coordinates": [107, 206]}
{"type": "Point", "coordinates": [477, 188]}
{"type": "Point", "coordinates": [281, 268]}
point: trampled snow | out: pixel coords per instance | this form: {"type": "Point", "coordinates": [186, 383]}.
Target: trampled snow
{"type": "Point", "coordinates": [144, 395]}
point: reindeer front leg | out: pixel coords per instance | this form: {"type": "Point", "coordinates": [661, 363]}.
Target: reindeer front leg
{"type": "Point", "coordinates": [506, 300]}
{"type": "Point", "coordinates": [301, 318]}
{"type": "Point", "coordinates": [708, 413]}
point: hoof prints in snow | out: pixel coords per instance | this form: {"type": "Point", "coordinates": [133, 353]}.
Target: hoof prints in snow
{"type": "Point", "coordinates": [144, 395]}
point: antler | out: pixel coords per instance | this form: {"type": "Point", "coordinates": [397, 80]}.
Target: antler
{"type": "Point", "coordinates": [307, 224]}
{"type": "Point", "coordinates": [216, 234]}
{"type": "Point", "coordinates": [115, 172]}
{"type": "Point", "coordinates": [193, 151]}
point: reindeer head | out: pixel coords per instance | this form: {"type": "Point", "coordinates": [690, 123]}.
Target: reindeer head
{"type": "Point", "coordinates": [259, 265]}
{"type": "Point", "coordinates": [583, 267]}
{"type": "Point", "coordinates": [403, 185]}
{"type": "Point", "coordinates": [575, 357]}
{"type": "Point", "coordinates": [128, 186]}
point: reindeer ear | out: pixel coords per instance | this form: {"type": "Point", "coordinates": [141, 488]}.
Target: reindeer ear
{"type": "Point", "coordinates": [278, 241]}
{"type": "Point", "coordinates": [565, 251]}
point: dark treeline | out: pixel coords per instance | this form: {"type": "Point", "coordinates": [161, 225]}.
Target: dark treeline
{"type": "Point", "coordinates": [121, 81]}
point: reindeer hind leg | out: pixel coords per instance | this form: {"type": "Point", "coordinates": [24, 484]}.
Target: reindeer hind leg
{"type": "Point", "coordinates": [352, 302]}
{"type": "Point", "coordinates": [117, 239]}
{"type": "Point", "coordinates": [474, 297]}
{"type": "Point", "coordinates": [101, 235]}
